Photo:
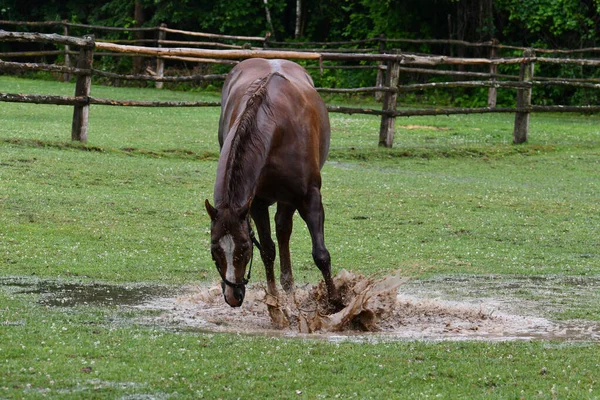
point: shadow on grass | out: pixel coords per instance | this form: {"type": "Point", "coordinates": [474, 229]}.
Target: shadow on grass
{"type": "Point", "coordinates": [351, 153]}
{"type": "Point", "coordinates": [166, 153]}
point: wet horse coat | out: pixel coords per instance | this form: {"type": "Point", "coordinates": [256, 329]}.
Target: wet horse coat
{"type": "Point", "coordinates": [274, 137]}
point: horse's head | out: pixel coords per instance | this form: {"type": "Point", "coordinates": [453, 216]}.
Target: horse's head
{"type": "Point", "coordinates": [231, 248]}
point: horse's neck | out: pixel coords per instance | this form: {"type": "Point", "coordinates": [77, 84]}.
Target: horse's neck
{"type": "Point", "coordinates": [240, 168]}
{"type": "Point", "coordinates": [247, 145]}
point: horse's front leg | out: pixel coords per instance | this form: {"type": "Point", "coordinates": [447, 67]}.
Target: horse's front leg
{"type": "Point", "coordinates": [313, 214]}
{"type": "Point", "coordinates": [260, 215]}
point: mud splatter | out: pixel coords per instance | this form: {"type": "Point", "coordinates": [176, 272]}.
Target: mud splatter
{"type": "Point", "coordinates": [411, 314]}
{"type": "Point", "coordinates": [367, 303]}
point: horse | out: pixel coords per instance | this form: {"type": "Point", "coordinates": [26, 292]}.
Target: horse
{"type": "Point", "coordinates": [274, 137]}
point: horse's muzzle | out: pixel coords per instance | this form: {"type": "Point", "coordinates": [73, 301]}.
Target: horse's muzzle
{"type": "Point", "coordinates": [234, 295]}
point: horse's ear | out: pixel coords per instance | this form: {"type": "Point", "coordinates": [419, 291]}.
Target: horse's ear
{"type": "Point", "coordinates": [212, 212]}
{"type": "Point", "coordinates": [242, 212]}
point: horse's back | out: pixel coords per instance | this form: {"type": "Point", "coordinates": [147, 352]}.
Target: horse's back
{"type": "Point", "coordinates": [298, 110]}
{"type": "Point", "coordinates": [247, 71]}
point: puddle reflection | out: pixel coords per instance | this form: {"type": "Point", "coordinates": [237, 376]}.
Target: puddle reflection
{"type": "Point", "coordinates": [71, 294]}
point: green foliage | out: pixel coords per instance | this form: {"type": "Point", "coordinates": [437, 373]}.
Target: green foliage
{"type": "Point", "coordinates": [370, 18]}
{"type": "Point", "coordinates": [565, 23]}
{"type": "Point", "coordinates": [344, 78]}
{"type": "Point", "coordinates": [572, 22]}
{"type": "Point", "coordinates": [234, 17]}
{"type": "Point", "coordinates": [539, 23]}
{"type": "Point", "coordinates": [117, 13]}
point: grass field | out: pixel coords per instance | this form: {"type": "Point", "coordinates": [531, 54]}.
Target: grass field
{"type": "Point", "coordinates": [453, 197]}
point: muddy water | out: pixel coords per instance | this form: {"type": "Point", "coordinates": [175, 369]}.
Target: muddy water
{"type": "Point", "coordinates": [452, 308]}
{"type": "Point", "coordinates": [449, 308]}
{"type": "Point", "coordinates": [56, 293]}
{"type": "Point", "coordinates": [546, 296]}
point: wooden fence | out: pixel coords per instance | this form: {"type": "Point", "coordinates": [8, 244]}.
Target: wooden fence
{"type": "Point", "coordinates": [391, 66]}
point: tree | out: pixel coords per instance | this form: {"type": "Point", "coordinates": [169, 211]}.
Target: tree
{"type": "Point", "coordinates": [139, 19]}
{"type": "Point", "coordinates": [268, 16]}
{"type": "Point", "coordinates": [298, 31]}
{"type": "Point", "coordinates": [556, 23]}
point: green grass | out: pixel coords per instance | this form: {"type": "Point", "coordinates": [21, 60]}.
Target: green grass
{"type": "Point", "coordinates": [94, 353]}
{"type": "Point", "coordinates": [148, 129]}
{"type": "Point", "coordinates": [142, 217]}
{"type": "Point", "coordinates": [453, 197]}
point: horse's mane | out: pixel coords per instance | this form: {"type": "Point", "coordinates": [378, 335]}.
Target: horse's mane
{"type": "Point", "coordinates": [247, 140]}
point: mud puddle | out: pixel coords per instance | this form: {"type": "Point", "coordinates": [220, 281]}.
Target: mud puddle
{"type": "Point", "coordinates": [458, 308]}
{"type": "Point", "coordinates": [55, 293]}
{"type": "Point", "coordinates": [494, 308]}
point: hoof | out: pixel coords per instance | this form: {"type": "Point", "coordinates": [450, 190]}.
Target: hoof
{"type": "Point", "coordinates": [287, 283]}
{"type": "Point", "coordinates": [335, 304]}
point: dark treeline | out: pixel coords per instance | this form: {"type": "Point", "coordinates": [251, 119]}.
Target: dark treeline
{"type": "Point", "coordinates": [568, 24]}
{"type": "Point", "coordinates": [539, 23]}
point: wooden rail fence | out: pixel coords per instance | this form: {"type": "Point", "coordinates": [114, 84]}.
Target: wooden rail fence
{"type": "Point", "coordinates": [391, 65]}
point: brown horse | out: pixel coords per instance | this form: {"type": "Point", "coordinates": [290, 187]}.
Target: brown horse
{"type": "Point", "coordinates": [274, 138]}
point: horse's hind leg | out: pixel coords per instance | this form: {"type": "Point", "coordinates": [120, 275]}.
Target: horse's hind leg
{"type": "Point", "coordinates": [313, 214]}
{"type": "Point", "coordinates": [284, 221]}
{"type": "Point", "coordinates": [260, 215]}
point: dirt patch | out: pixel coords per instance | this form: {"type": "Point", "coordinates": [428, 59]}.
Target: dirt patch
{"type": "Point", "coordinates": [424, 127]}
{"type": "Point", "coordinates": [374, 311]}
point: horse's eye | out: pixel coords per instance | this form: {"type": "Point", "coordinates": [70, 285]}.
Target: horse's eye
{"type": "Point", "coordinates": [245, 247]}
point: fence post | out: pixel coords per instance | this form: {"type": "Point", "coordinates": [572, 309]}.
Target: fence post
{"type": "Point", "coordinates": [82, 88]}
{"type": "Point", "coordinates": [492, 91]}
{"type": "Point", "coordinates": [380, 68]}
{"type": "Point", "coordinates": [523, 100]}
{"type": "Point", "coordinates": [160, 62]}
{"type": "Point", "coordinates": [266, 44]}
{"type": "Point", "coordinates": [67, 75]}
{"type": "Point", "coordinates": [386, 131]}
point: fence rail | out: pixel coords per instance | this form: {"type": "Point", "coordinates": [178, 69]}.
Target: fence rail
{"type": "Point", "coordinates": [389, 65]}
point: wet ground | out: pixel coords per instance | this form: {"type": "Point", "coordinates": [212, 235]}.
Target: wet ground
{"type": "Point", "coordinates": [447, 308]}
{"type": "Point", "coordinates": [55, 293]}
